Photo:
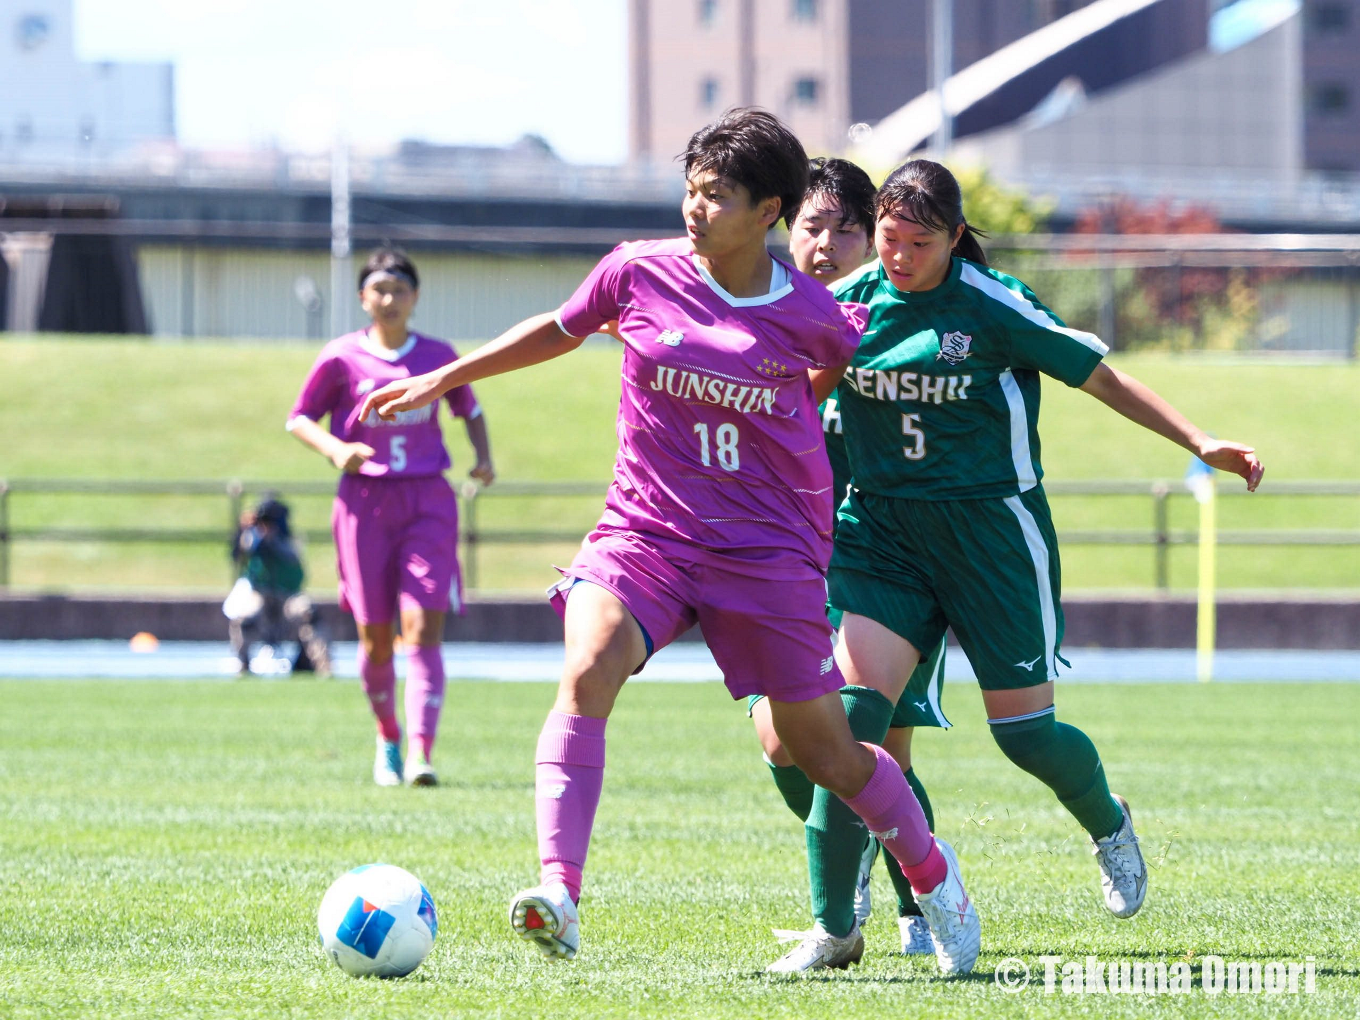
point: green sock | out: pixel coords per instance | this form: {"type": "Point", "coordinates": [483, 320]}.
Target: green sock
{"type": "Point", "coordinates": [1063, 758]}
{"type": "Point", "coordinates": [795, 787]}
{"type": "Point", "coordinates": [906, 900]}
{"type": "Point", "coordinates": [835, 834]}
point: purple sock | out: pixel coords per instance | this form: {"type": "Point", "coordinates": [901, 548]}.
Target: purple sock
{"type": "Point", "coordinates": [380, 684]}
{"type": "Point", "coordinates": [424, 694]}
{"type": "Point", "coordinates": [894, 815]}
{"type": "Point", "coordinates": [568, 776]}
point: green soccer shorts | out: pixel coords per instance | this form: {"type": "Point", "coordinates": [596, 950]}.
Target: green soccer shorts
{"type": "Point", "coordinates": [988, 568]}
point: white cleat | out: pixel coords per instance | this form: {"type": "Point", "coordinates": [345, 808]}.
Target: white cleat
{"type": "Point", "coordinates": [419, 772]}
{"type": "Point", "coordinates": [954, 927]}
{"type": "Point", "coordinates": [863, 904]}
{"type": "Point", "coordinates": [915, 936]}
{"type": "Point", "coordinates": [546, 916]}
{"type": "Point", "coordinates": [387, 763]}
{"type": "Point", "coordinates": [818, 949]}
{"type": "Point", "coordinates": [1123, 873]}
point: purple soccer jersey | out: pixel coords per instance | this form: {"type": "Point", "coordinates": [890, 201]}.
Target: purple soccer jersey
{"type": "Point", "coordinates": [720, 443]}
{"type": "Point", "coordinates": [350, 367]}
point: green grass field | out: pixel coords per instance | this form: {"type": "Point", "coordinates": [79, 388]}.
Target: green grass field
{"type": "Point", "coordinates": [165, 846]}
{"type": "Point", "coordinates": [120, 409]}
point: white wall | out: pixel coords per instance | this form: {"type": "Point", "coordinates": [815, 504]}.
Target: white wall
{"type": "Point", "coordinates": [236, 292]}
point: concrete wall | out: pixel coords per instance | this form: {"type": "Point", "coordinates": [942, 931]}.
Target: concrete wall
{"type": "Point", "coordinates": [1284, 622]}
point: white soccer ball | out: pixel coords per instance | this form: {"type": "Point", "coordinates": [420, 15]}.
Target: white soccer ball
{"type": "Point", "coordinates": [377, 921]}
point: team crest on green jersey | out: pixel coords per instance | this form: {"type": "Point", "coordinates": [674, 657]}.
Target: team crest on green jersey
{"type": "Point", "coordinates": [954, 347]}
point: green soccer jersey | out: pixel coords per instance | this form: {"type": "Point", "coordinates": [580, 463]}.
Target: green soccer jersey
{"type": "Point", "coordinates": [835, 447]}
{"type": "Point", "coordinates": [942, 398]}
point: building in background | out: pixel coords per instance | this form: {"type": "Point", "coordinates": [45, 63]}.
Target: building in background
{"type": "Point", "coordinates": [1331, 85]}
{"type": "Point", "coordinates": [1262, 126]}
{"type": "Point", "coordinates": [55, 108]}
{"type": "Point", "coordinates": [824, 65]}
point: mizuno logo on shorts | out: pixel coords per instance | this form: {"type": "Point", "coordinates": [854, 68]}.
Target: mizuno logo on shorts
{"type": "Point", "coordinates": [1028, 665]}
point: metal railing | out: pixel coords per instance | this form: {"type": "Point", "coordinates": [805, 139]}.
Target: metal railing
{"type": "Point", "coordinates": [476, 535]}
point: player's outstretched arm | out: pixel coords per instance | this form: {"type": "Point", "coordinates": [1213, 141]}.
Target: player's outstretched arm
{"type": "Point", "coordinates": [1140, 404]}
{"type": "Point", "coordinates": [533, 341]}
{"type": "Point", "coordinates": [347, 457]}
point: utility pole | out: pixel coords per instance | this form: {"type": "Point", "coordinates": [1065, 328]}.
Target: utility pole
{"type": "Point", "coordinates": [941, 67]}
{"type": "Point", "coordinates": [340, 237]}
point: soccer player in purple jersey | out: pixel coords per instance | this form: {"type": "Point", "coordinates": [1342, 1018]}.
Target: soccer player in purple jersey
{"type": "Point", "coordinates": [719, 511]}
{"type": "Point", "coordinates": [395, 518]}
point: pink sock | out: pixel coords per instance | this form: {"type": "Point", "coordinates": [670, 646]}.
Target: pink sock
{"type": "Point", "coordinates": [568, 776]}
{"type": "Point", "coordinates": [424, 694]}
{"type": "Point", "coordinates": [380, 684]}
{"type": "Point", "coordinates": [894, 815]}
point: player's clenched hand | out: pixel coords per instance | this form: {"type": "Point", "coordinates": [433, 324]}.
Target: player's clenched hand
{"type": "Point", "coordinates": [350, 457]}
{"type": "Point", "coordinates": [1234, 457]}
{"type": "Point", "coordinates": [402, 395]}
{"type": "Point", "coordinates": [483, 472]}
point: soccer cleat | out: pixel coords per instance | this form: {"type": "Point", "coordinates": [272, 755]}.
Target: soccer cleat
{"type": "Point", "coordinates": [1123, 873]}
{"type": "Point", "coordinates": [915, 936]}
{"type": "Point", "coordinates": [546, 916]}
{"type": "Point", "coordinates": [863, 905]}
{"type": "Point", "coordinates": [418, 771]}
{"type": "Point", "coordinates": [818, 949]}
{"type": "Point", "coordinates": [953, 920]}
{"type": "Point", "coordinates": [387, 763]}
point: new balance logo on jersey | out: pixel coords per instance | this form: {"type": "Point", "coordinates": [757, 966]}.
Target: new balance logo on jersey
{"type": "Point", "coordinates": [954, 347]}
{"type": "Point", "coordinates": [670, 337]}
{"type": "Point", "coordinates": [365, 387]}
{"type": "Point", "coordinates": [828, 664]}
{"type": "Point", "coordinates": [1028, 665]}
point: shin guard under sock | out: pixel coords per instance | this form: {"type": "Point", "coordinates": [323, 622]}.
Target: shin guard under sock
{"type": "Point", "coordinates": [906, 901]}
{"type": "Point", "coordinates": [569, 774]}
{"type": "Point", "coordinates": [1063, 758]}
{"type": "Point", "coordinates": [835, 834]}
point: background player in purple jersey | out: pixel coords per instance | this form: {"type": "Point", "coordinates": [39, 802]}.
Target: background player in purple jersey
{"type": "Point", "coordinates": [395, 518]}
{"type": "Point", "coordinates": [719, 511]}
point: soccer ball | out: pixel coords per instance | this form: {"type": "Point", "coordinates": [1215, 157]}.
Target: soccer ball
{"type": "Point", "coordinates": [377, 921]}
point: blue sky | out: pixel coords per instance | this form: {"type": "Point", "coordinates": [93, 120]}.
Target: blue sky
{"type": "Point", "coordinates": [256, 71]}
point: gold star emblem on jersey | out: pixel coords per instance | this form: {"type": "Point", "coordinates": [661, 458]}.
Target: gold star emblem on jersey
{"type": "Point", "coordinates": [772, 368]}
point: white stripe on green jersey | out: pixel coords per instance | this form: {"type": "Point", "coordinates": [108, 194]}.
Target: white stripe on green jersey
{"type": "Point", "coordinates": [942, 398]}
